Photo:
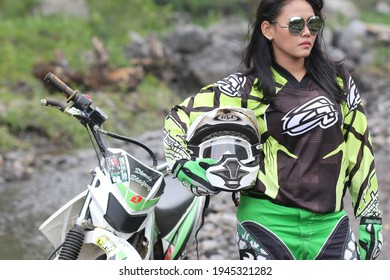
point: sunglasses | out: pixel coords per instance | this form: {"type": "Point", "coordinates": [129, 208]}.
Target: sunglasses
{"type": "Point", "coordinates": [296, 25]}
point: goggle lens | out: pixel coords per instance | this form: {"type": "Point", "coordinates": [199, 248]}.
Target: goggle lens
{"type": "Point", "coordinates": [217, 147]}
{"type": "Point", "coordinates": [218, 150]}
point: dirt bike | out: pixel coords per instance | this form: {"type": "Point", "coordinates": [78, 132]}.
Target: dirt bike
{"type": "Point", "coordinates": [130, 210]}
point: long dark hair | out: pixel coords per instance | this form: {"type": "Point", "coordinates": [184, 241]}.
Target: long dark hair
{"type": "Point", "coordinates": [258, 55]}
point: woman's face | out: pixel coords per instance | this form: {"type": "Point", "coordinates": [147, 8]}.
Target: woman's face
{"type": "Point", "coordinates": [289, 48]}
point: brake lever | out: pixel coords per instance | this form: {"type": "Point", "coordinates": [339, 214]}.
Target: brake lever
{"type": "Point", "coordinates": [54, 103]}
{"type": "Point", "coordinates": [63, 108]}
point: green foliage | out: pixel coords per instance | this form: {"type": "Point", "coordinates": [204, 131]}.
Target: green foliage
{"type": "Point", "coordinates": [382, 59]}
{"type": "Point", "coordinates": [205, 12]}
{"type": "Point", "coordinates": [373, 17]}
{"type": "Point", "coordinates": [13, 9]}
{"type": "Point", "coordinates": [112, 22]}
{"type": "Point", "coordinates": [25, 116]}
{"type": "Point", "coordinates": [29, 38]}
{"type": "Point", "coordinates": [367, 5]}
{"type": "Point", "coordinates": [146, 107]}
{"type": "Point", "coordinates": [368, 12]}
{"type": "Point", "coordinates": [7, 141]}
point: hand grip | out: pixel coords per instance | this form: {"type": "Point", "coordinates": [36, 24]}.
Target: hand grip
{"type": "Point", "coordinates": [52, 79]}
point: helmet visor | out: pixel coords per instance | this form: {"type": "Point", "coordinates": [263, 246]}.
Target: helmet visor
{"type": "Point", "coordinates": [217, 147]}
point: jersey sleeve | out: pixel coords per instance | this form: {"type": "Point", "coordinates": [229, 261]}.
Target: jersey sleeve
{"type": "Point", "coordinates": [179, 120]}
{"type": "Point", "coordinates": [175, 128]}
{"type": "Point", "coordinates": [362, 179]}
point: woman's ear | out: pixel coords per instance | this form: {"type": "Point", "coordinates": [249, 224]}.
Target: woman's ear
{"type": "Point", "coordinates": [267, 30]}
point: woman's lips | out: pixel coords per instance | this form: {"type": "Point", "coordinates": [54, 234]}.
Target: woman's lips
{"type": "Point", "coordinates": [305, 44]}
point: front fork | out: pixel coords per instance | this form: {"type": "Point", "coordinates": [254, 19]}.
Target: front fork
{"type": "Point", "coordinates": [72, 245]}
{"type": "Point", "coordinates": [77, 242]}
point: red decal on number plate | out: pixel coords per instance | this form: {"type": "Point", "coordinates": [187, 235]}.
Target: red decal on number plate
{"type": "Point", "coordinates": [136, 199]}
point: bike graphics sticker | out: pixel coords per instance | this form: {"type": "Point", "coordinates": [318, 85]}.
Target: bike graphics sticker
{"type": "Point", "coordinates": [106, 244]}
{"type": "Point", "coordinates": [116, 166]}
{"type": "Point", "coordinates": [135, 180]}
{"type": "Point", "coordinates": [136, 199]}
{"type": "Point", "coordinates": [142, 175]}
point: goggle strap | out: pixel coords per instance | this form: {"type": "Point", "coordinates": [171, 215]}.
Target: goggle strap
{"type": "Point", "coordinates": [265, 136]}
{"type": "Point", "coordinates": [194, 150]}
{"type": "Point", "coordinates": [255, 150]}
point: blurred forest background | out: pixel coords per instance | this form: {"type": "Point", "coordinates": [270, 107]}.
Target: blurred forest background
{"type": "Point", "coordinates": [82, 35]}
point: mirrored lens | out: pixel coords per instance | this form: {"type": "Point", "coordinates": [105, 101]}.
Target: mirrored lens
{"type": "Point", "coordinates": [297, 24]}
{"type": "Point", "coordinates": [314, 24]}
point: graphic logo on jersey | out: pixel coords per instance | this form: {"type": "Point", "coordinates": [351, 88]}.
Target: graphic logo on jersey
{"type": "Point", "coordinates": [174, 149]}
{"type": "Point", "coordinates": [233, 85]}
{"type": "Point", "coordinates": [318, 112]}
{"type": "Point", "coordinates": [353, 97]}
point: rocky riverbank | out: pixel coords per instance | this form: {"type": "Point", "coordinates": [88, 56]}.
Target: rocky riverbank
{"type": "Point", "coordinates": [57, 178]}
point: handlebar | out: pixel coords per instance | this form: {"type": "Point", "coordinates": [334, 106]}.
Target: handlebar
{"type": "Point", "coordinates": [88, 115]}
{"type": "Point", "coordinates": [91, 115]}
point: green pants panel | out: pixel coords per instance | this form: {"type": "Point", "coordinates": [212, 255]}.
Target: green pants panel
{"type": "Point", "coordinates": [293, 233]}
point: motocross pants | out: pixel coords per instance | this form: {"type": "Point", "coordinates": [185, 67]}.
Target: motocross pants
{"type": "Point", "coordinates": [267, 231]}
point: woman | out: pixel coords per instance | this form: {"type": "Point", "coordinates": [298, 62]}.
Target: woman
{"type": "Point", "coordinates": [316, 143]}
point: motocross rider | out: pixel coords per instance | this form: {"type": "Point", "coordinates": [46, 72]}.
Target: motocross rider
{"type": "Point", "coordinates": [315, 143]}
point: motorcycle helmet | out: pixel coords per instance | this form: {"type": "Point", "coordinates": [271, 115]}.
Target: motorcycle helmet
{"type": "Point", "coordinates": [230, 136]}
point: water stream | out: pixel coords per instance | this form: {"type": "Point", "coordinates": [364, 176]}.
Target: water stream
{"type": "Point", "coordinates": [25, 205]}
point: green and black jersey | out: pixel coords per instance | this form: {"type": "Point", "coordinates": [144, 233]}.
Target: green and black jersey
{"type": "Point", "coordinates": [313, 151]}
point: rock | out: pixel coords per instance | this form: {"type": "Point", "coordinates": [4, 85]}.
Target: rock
{"type": "Point", "coordinates": [383, 7]}
{"type": "Point", "coordinates": [351, 39]}
{"type": "Point", "coordinates": [345, 8]}
{"type": "Point", "coordinates": [73, 8]}
{"type": "Point", "coordinates": [380, 32]}
{"type": "Point", "coordinates": [16, 166]}
{"type": "Point", "coordinates": [187, 39]}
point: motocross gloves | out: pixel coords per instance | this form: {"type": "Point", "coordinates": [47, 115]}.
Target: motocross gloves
{"type": "Point", "coordinates": [192, 174]}
{"type": "Point", "coordinates": [370, 238]}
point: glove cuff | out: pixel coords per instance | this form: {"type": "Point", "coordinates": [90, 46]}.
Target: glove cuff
{"type": "Point", "coordinates": [178, 166]}
{"type": "Point", "coordinates": [371, 220]}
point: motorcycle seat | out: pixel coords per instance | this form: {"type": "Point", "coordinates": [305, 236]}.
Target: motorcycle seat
{"type": "Point", "coordinates": [172, 205]}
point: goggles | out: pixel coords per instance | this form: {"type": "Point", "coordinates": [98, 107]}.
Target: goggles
{"type": "Point", "coordinates": [296, 25]}
{"type": "Point", "coordinates": [226, 145]}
